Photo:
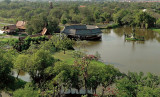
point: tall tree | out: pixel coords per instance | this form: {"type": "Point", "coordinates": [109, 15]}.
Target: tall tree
{"type": "Point", "coordinates": [37, 64]}
{"type": "Point", "coordinates": [5, 68]}
{"type": "Point", "coordinates": [20, 63]}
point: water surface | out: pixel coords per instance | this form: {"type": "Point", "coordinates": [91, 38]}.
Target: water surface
{"type": "Point", "coordinates": [127, 56]}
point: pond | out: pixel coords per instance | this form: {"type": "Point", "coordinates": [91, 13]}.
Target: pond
{"type": "Point", "coordinates": [127, 56]}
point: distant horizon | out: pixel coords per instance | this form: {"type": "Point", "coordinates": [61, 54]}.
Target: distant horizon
{"type": "Point", "coordinates": [89, 0]}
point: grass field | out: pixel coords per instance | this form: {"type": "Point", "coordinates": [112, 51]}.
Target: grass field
{"type": "Point", "coordinates": [5, 40]}
{"type": "Point", "coordinates": [7, 20]}
{"type": "Point", "coordinates": [68, 58]}
{"type": "Point", "coordinates": [156, 30]}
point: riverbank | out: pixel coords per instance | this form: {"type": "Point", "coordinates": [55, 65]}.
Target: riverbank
{"type": "Point", "coordinates": [156, 30]}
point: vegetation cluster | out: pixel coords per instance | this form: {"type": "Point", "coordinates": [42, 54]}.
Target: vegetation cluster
{"type": "Point", "coordinates": [53, 70]}
{"type": "Point", "coordinates": [50, 75]}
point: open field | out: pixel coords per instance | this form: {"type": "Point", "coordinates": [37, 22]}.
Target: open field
{"type": "Point", "coordinates": [68, 57]}
{"type": "Point", "coordinates": [5, 40]}
{"type": "Point", "coordinates": [155, 30]}
{"type": "Point", "coordinates": [7, 20]}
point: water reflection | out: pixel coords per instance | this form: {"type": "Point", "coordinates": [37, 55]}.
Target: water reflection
{"type": "Point", "coordinates": [23, 75]}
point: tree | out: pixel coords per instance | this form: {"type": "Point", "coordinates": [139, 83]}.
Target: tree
{"type": "Point", "coordinates": [117, 17]}
{"type": "Point", "coordinates": [5, 68]}
{"type": "Point", "coordinates": [144, 20]}
{"type": "Point", "coordinates": [63, 21]}
{"type": "Point", "coordinates": [63, 75]}
{"type": "Point", "coordinates": [21, 62]}
{"type": "Point", "coordinates": [52, 26]}
{"type": "Point", "coordinates": [35, 25]}
{"type": "Point", "coordinates": [83, 64]}
{"type": "Point", "coordinates": [27, 91]}
{"type": "Point", "coordinates": [126, 88]}
{"type": "Point", "coordinates": [7, 1]}
{"type": "Point", "coordinates": [94, 78]}
{"type": "Point", "coordinates": [148, 92]}
{"type": "Point", "coordinates": [96, 15]}
{"type": "Point", "coordinates": [136, 84]}
{"type": "Point", "coordinates": [108, 75]}
{"type": "Point", "coordinates": [37, 64]}
{"type": "Point", "coordinates": [62, 42]}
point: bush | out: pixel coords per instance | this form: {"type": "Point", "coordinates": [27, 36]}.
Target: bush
{"type": "Point", "coordinates": [28, 91]}
{"type": "Point", "coordinates": [112, 26]}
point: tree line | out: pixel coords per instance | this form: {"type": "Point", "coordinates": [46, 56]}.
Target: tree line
{"type": "Point", "coordinates": [42, 14]}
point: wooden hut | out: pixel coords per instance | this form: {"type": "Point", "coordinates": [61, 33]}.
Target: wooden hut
{"type": "Point", "coordinates": [10, 29]}
{"type": "Point", "coordinates": [83, 32]}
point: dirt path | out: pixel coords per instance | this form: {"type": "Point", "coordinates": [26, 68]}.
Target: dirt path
{"type": "Point", "coordinates": [3, 94]}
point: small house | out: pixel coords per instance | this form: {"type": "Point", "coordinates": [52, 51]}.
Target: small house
{"type": "Point", "coordinates": [83, 32]}
{"type": "Point", "coordinates": [10, 29]}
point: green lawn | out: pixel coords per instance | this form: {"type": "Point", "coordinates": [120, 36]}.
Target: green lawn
{"type": "Point", "coordinates": [68, 58]}
{"type": "Point", "coordinates": [5, 40]}
{"type": "Point", "coordinates": [156, 30]}
{"type": "Point", "coordinates": [7, 20]}
{"type": "Point", "coordinates": [64, 57]}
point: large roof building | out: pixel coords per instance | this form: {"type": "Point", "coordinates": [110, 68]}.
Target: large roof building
{"type": "Point", "coordinates": [83, 32]}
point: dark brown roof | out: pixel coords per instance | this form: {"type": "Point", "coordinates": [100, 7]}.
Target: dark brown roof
{"type": "Point", "coordinates": [82, 30]}
{"type": "Point", "coordinates": [11, 27]}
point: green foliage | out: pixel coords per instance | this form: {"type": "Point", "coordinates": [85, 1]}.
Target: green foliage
{"type": "Point", "coordinates": [39, 15]}
{"type": "Point", "coordinates": [112, 26]}
{"type": "Point", "coordinates": [9, 41]}
{"type": "Point", "coordinates": [64, 21]}
{"type": "Point", "coordinates": [148, 92]}
{"type": "Point", "coordinates": [7, 1]}
{"type": "Point", "coordinates": [144, 20]}
{"type": "Point", "coordinates": [37, 23]}
{"type": "Point", "coordinates": [5, 68]}
{"type": "Point", "coordinates": [25, 44]}
{"type": "Point", "coordinates": [37, 63]}
{"type": "Point", "coordinates": [119, 16]}
{"type": "Point", "coordinates": [15, 84]}
{"type": "Point", "coordinates": [52, 26]}
{"type": "Point", "coordinates": [21, 62]}
{"type": "Point", "coordinates": [27, 91]}
{"type": "Point", "coordinates": [155, 30]}
{"type": "Point", "coordinates": [126, 88]}
{"type": "Point", "coordinates": [78, 54]}
{"type": "Point", "coordinates": [138, 85]}
{"type": "Point", "coordinates": [62, 42]}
